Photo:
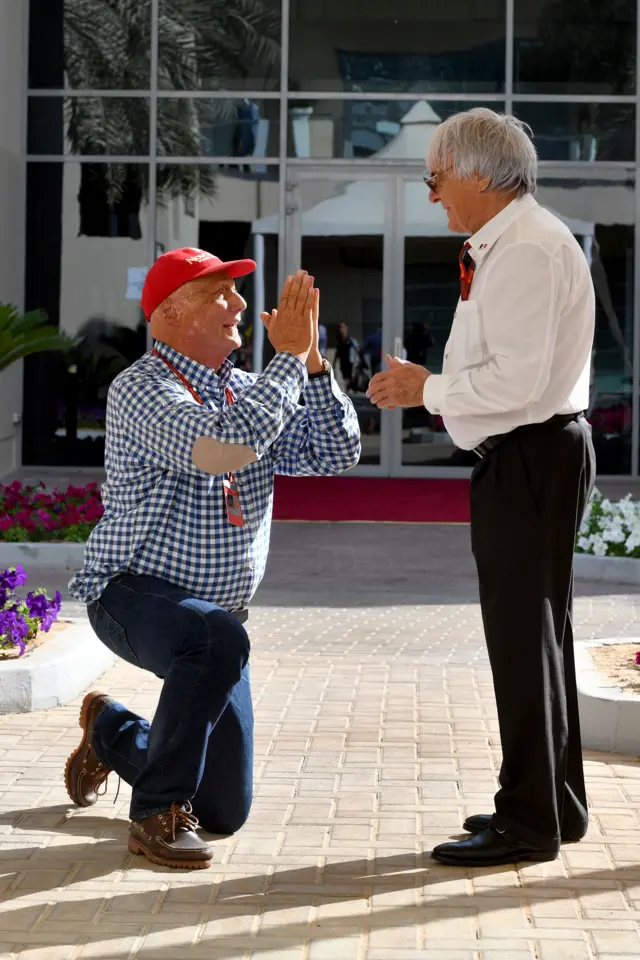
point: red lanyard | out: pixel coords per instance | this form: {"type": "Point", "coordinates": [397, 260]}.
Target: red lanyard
{"type": "Point", "coordinates": [231, 492]}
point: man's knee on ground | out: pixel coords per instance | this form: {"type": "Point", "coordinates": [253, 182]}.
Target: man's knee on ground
{"type": "Point", "coordinates": [224, 825]}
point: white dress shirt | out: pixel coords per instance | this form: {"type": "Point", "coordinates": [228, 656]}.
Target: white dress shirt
{"type": "Point", "coordinates": [520, 347]}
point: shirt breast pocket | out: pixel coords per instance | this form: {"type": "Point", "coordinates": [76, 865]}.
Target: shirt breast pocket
{"type": "Point", "coordinates": [471, 343]}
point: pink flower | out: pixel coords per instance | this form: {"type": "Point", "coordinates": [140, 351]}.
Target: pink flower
{"type": "Point", "coordinates": [638, 658]}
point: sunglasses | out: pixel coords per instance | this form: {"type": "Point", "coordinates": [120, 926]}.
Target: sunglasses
{"type": "Point", "coordinates": [431, 179]}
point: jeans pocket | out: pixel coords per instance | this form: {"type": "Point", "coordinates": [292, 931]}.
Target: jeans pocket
{"type": "Point", "coordinates": [110, 632]}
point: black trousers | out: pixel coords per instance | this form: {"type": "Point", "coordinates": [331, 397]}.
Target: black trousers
{"type": "Point", "coordinates": [527, 501]}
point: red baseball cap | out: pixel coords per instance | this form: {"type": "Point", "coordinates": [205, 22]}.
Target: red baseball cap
{"type": "Point", "coordinates": [177, 267]}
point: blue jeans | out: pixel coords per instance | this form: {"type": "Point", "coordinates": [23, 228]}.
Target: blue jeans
{"type": "Point", "coordinates": [199, 746]}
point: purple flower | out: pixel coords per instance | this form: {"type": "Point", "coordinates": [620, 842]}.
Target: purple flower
{"type": "Point", "coordinates": [13, 626]}
{"type": "Point", "coordinates": [13, 577]}
{"type": "Point", "coordinates": [44, 609]}
{"type": "Point", "coordinates": [38, 604]}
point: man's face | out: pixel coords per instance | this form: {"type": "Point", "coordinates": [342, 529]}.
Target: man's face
{"type": "Point", "coordinates": [458, 197]}
{"type": "Point", "coordinates": [209, 310]}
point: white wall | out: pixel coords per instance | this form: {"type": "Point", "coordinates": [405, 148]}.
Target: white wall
{"type": "Point", "coordinates": [13, 15]}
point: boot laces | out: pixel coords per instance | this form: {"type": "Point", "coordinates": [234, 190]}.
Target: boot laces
{"type": "Point", "coordinates": [182, 818]}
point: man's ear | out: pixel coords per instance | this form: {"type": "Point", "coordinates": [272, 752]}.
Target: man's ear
{"type": "Point", "coordinates": [170, 312]}
{"type": "Point", "coordinates": [167, 313]}
{"type": "Point", "coordinates": [482, 183]}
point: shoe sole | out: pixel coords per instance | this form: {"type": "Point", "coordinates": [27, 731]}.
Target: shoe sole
{"type": "Point", "coordinates": [470, 829]}
{"type": "Point", "coordinates": [496, 861]}
{"type": "Point", "coordinates": [84, 724]}
{"type": "Point", "coordinates": [140, 850]}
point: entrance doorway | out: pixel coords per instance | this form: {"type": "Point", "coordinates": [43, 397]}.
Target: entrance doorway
{"type": "Point", "coordinates": [386, 267]}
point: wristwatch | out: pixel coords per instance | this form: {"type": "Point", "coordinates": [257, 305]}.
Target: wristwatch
{"type": "Point", "coordinates": [326, 370]}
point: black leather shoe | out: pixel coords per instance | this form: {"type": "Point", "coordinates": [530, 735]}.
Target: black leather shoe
{"type": "Point", "coordinates": [483, 821]}
{"type": "Point", "coordinates": [490, 849]}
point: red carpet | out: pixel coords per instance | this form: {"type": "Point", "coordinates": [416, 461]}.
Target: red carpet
{"type": "Point", "coordinates": [371, 499]}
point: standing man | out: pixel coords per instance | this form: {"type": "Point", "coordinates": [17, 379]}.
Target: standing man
{"type": "Point", "coordinates": [514, 384]}
{"type": "Point", "coordinates": [192, 448]}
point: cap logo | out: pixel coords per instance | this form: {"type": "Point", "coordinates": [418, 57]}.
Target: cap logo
{"type": "Point", "coordinates": [200, 257]}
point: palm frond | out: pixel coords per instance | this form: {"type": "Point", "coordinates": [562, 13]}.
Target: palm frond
{"type": "Point", "coordinates": [13, 348]}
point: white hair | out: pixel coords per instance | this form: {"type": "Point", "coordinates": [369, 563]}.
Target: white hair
{"type": "Point", "coordinates": [482, 143]}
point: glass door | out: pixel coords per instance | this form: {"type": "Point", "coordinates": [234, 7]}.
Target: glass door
{"type": "Point", "coordinates": [425, 293]}
{"type": "Point", "coordinates": [339, 228]}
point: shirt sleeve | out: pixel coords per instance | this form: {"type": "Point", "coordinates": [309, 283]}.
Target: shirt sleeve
{"type": "Point", "coordinates": [322, 437]}
{"type": "Point", "coordinates": [519, 315]}
{"type": "Point", "coordinates": [160, 421]}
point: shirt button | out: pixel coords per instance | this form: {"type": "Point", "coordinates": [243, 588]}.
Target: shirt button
{"type": "Point", "coordinates": [446, 356]}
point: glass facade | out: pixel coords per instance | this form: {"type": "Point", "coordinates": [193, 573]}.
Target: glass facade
{"type": "Point", "coordinates": [294, 131]}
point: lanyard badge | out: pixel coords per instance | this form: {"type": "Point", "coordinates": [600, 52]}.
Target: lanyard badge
{"type": "Point", "coordinates": [229, 484]}
{"type": "Point", "coordinates": [232, 501]}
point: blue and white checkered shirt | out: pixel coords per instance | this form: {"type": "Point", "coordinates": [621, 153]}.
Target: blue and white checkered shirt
{"type": "Point", "coordinates": [166, 518]}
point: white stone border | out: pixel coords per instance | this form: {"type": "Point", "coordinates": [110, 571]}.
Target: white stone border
{"type": "Point", "coordinates": [607, 569]}
{"type": "Point", "coordinates": [56, 672]}
{"type": "Point", "coordinates": [70, 556]}
{"type": "Point", "coordinates": [63, 556]}
{"type": "Point", "coordinates": [609, 716]}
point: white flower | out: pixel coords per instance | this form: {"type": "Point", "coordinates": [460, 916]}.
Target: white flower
{"type": "Point", "coordinates": [599, 546]}
{"type": "Point", "coordinates": [633, 541]}
{"type": "Point", "coordinates": [613, 522]}
{"type": "Point", "coordinates": [614, 532]}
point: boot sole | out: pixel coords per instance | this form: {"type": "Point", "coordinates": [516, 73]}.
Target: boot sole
{"type": "Point", "coordinates": [84, 724]}
{"type": "Point", "coordinates": [140, 850]}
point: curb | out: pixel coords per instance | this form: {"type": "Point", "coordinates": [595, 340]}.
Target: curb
{"type": "Point", "coordinates": [609, 716]}
{"type": "Point", "coordinates": [70, 556]}
{"type": "Point", "coordinates": [607, 569]}
{"type": "Point", "coordinates": [63, 556]}
{"type": "Point", "coordinates": [55, 673]}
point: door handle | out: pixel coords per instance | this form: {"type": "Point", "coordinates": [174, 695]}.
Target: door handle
{"type": "Point", "coordinates": [397, 347]}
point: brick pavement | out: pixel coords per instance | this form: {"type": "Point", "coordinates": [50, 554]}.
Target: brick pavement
{"type": "Point", "coordinates": [376, 735]}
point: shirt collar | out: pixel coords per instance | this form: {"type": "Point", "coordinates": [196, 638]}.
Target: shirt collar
{"type": "Point", "coordinates": [202, 379]}
{"type": "Point", "coordinates": [483, 240]}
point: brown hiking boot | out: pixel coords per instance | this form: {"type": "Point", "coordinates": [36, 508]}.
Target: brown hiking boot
{"type": "Point", "coordinates": [84, 775]}
{"type": "Point", "coordinates": [170, 839]}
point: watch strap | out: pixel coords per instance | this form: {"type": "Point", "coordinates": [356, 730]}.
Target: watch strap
{"type": "Point", "coordinates": [326, 370]}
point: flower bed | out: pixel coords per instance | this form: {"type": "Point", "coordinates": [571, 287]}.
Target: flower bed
{"type": "Point", "coordinates": [610, 528]}
{"type": "Point", "coordinates": [31, 514]}
{"type": "Point", "coordinates": [22, 619]}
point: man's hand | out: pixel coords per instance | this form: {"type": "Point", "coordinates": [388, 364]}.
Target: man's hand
{"type": "Point", "coordinates": [291, 326]}
{"type": "Point", "coordinates": [402, 385]}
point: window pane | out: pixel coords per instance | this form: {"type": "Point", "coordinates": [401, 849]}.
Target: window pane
{"type": "Point", "coordinates": [214, 45]}
{"type": "Point", "coordinates": [581, 131]}
{"type": "Point", "coordinates": [342, 233]}
{"type": "Point", "coordinates": [583, 47]}
{"type": "Point", "coordinates": [90, 45]}
{"type": "Point", "coordinates": [601, 216]}
{"type": "Point", "coordinates": [87, 227]}
{"type": "Point", "coordinates": [408, 45]}
{"type": "Point", "coordinates": [233, 216]}
{"type": "Point", "coordinates": [389, 129]}
{"type": "Point", "coordinates": [218, 128]}
{"type": "Point", "coordinates": [431, 291]}
{"type": "Point", "coordinates": [88, 126]}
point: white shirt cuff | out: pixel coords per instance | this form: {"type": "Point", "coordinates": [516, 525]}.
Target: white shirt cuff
{"type": "Point", "coordinates": [434, 392]}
